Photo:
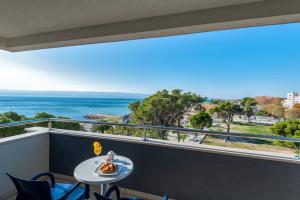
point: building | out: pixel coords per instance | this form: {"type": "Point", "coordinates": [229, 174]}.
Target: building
{"type": "Point", "coordinates": [292, 99]}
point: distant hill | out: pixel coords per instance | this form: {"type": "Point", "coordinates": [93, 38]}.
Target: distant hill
{"type": "Point", "coordinates": [74, 94]}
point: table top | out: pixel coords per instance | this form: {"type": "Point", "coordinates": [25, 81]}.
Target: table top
{"type": "Point", "coordinates": [85, 172]}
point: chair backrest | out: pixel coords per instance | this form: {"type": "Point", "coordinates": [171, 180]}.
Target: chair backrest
{"type": "Point", "coordinates": [31, 190]}
{"type": "Point", "coordinates": [165, 197]}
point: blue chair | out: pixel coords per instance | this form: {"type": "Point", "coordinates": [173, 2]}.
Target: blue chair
{"type": "Point", "coordinates": [41, 190]}
{"type": "Point", "coordinates": [165, 197]}
{"type": "Point", "coordinates": [109, 192]}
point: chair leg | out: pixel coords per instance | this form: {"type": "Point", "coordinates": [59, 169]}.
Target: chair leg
{"type": "Point", "coordinates": [87, 191]}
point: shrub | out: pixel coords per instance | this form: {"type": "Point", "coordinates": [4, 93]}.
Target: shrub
{"type": "Point", "coordinates": [100, 128]}
{"type": "Point", "coordinates": [43, 115]}
{"type": "Point", "coordinates": [289, 128]}
{"type": "Point", "coordinates": [16, 130]}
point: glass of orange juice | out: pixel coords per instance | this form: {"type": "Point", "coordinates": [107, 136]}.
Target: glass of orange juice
{"type": "Point", "coordinates": [97, 149]}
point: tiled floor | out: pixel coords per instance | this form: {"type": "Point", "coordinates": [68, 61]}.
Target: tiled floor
{"type": "Point", "coordinates": [124, 192]}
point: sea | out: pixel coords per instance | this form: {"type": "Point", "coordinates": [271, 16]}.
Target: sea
{"type": "Point", "coordinates": [71, 107]}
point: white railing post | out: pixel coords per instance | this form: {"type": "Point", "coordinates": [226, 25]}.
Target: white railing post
{"type": "Point", "coordinates": [49, 124]}
{"type": "Point", "coordinates": [145, 135]}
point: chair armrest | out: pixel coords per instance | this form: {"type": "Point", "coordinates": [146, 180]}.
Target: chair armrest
{"type": "Point", "coordinates": [111, 190]}
{"type": "Point", "coordinates": [69, 192]}
{"type": "Point", "coordinates": [45, 174]}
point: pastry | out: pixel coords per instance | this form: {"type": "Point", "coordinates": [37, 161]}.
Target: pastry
{"type": "Point", "coordinates": [108, 167]}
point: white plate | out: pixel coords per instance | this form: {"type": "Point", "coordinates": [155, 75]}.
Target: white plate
{"type": "Point", "coordinates": [98, 171]}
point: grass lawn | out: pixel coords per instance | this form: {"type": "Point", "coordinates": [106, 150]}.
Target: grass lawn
{"type": "Point", "coordinates": [245, 128]}
{"type": "Point", "coordinates": [251, 128]}
{"type": "Point", "coordinates": [250, 146]}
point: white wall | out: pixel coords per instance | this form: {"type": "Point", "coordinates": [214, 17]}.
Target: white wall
{"type": "Point", "coordinates": [23, 156]}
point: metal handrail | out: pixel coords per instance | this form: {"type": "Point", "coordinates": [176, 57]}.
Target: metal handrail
{"type": "Point", "coordinates": [22, 123]}
{"type": "Point", "coordinates": [147, 127]}
{"type": "Point", "coordinates": [185, 130]}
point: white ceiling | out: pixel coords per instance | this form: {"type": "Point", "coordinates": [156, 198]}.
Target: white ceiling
{"type": "Point", "coordinates": [26, 17]}
{"type": "Point", "coordinates": [37, 24]}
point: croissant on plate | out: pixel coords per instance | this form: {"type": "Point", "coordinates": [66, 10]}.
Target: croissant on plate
{"type": "Point", "coordinates": [108, 167]}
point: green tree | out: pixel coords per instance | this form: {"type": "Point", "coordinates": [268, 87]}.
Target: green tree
{"type": "Point", "coordinates": [216, 101]}
{"type": "Point", "coordinates": [58, 124]}
{"type": "Point", "coordinates": [100, 128]}
{"type": "Point", "coordinates": [184, 103]}
{"type": "Point", "coordinates": [290, 128]}
{"type": "Point", "coordinates": [201, 120]}
{"type": "Point", "coordinates": [13, 116]}
{"type": "Point", "coordinates": [43, 115]}
{"type": "Point", "coordinates": [165, 108]}
{"type": "Point", "coordinates": [67, 125]}
{"type": "Point", "coordinates": [226, 111]}
{"type": "Point", "coordinates": [183, 137]}
{"type": "Point", "coordinates": [247, 105]}
{"type": "Point", "coordinates": [4, 119]}
{"type": "Point", "coordinates": [263, 113]}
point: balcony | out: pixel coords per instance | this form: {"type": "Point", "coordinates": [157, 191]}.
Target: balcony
{"type": "Point", "coordinates": [184, 171]}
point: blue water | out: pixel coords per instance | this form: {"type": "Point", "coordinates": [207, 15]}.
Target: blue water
{"type": "Point", "coordinates": [74, 108]}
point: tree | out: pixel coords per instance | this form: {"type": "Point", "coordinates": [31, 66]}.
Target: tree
{"type": "Point", "coordinates": [263, 113]}
{"type": "Point", "coordinates": [58, 124]}
{"type": "Point", "coordinates": [184, 103]}
{"type": "Point", "coordinates": [276, 111]}
{"type": "Point", "coordinates": [156, 109]}
{"type": "Point", "coordinates": [4, 119]}
{"type": "Point", "coordinates": [201, 120]}
{"type": "Point", "coordinates": [67, 125]}
{"type": "Point", "coordinates": [43, 115]}
{"type": "Point", "coordinates": [276, 101]}
{"type": "Point", "coordinates": [216, 101]}
{"type": "Point", "coordinates": [13, 116]}
{"type": "Point", "coordinates": [226, 111]}
{"type": "Point", "coordinates": [297, 105]}
{"type": "Point", "coordinates": [100, 128]}
{"type": "Point", "coordinates": [265, 100]}
{"type": "Point", "coordinates": [248, 104]}
{"type": "Point", "coordinates": [293, 113]}
{"type": "Point", "coordinates": [286, 128]}
{"type": "Point", "coordinates": [165, 108]}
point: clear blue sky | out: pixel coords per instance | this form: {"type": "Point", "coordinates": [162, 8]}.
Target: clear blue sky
{"type": "Point", "coordinates": [226, 64]}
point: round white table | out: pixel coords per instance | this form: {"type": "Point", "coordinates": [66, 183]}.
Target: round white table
{"type": "Point", "coordinates": [85, 172]}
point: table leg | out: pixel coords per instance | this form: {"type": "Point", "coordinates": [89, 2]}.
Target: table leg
{"type": "Point", "coordinates": [87, 191]}
{"type": "Point", "coordinates": [104, 188]}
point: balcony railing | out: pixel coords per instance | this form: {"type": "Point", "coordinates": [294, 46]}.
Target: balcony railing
{"type": "Point", "coordinates": [182, 171]}
{"type": "Point", "coordinates": [144, 132]}
{"type": "Point", "coordinates": [183, 130]}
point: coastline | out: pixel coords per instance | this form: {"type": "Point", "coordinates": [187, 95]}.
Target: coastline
{"type": "Point", "coordinates": [74, 108]}
{"type": "Point", "coordinates": [103, 117]}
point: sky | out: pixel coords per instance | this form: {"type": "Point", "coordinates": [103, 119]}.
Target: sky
{"type": "Point", "coordinates": [221, 64]}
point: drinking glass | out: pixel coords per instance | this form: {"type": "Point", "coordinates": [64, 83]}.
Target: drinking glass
{"type": "Point", "coordinates": [97, 151]}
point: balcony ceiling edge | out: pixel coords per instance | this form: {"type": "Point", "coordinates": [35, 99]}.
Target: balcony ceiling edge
{"type": "Point", "coordinates": [230, 17]}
